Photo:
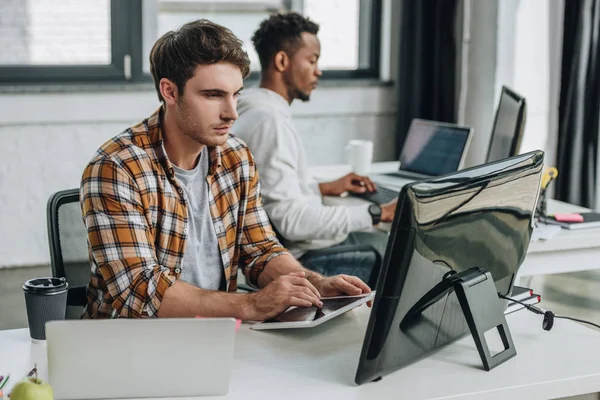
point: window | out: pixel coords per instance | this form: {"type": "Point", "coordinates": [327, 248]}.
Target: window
{"type": "Point", "coordinates": [46, 41]}
{"type": "Point", "coordinates": [69, 40]}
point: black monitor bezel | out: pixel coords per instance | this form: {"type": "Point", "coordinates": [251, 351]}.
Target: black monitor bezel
{"type": "Point", "coordinates": [519, 127]}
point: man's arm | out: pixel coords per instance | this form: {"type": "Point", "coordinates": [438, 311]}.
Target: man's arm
{"type": "Point", "coordinates": [121, 242]}
{"type": "Point", "coordinates": [284, 265]}
{"type": "Point", "coordinates": [351, 182]}
{"type": "Point", "coordinates": [183, 300]}
{"type": "Point", "coordinates": [295, 214]}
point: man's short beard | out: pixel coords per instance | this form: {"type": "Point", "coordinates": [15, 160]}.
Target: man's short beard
{"type": "Point", "coordinates": [183, 120]}
{"type": "Point", "coordinates": [295, 93]}
{"type": "Point", "coordinates": [302, 96]}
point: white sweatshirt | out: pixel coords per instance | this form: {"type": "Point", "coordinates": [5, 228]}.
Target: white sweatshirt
{"type": "Point", "coordinates": [294, 205]}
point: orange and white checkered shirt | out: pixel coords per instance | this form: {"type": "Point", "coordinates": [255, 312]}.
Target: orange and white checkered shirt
{"type": "Point", "coordinates": [136, 219]}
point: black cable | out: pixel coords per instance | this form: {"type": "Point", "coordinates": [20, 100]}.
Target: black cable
{"type": "Point", "coordinates": [515, 301]}
{"type": "Point", "coordinates": [538, 310]}
{"type": "Point", "coordinates": [578, 320]}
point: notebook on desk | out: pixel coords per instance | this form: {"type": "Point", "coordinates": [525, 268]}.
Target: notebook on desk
{"type": "Point", "coordinates": [431, 149]}
{"type": "Point", "coordinates": [574, 221]}
{"type": "Point", "coordinates": [125, 358]}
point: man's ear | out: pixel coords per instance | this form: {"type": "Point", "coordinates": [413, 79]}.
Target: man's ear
{"type": "Point", "coordinates": [168, 90]}
{"type": "Point", "coordinates": [282, 61]}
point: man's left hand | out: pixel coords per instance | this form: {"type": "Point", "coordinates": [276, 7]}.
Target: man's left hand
{"type": "Point", "coordinates": [341, 285]}
{"type": "Point", "coordinates": [350, 183]}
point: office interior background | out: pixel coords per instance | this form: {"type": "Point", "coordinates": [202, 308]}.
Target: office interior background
{"type": "Point", "coordinates": [74, 73]}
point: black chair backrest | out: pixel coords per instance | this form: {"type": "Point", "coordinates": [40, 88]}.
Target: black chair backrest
{"type": "Point", "coordinates": [69, 255]}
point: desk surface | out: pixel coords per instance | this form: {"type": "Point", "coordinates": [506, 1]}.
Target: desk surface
{"type": "Point", "coordinates": [320, 363]}
{"type": "Point", "coordinates": [543, 256]}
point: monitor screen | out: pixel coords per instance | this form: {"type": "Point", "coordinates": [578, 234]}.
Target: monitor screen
{"type": "Point", "coordinates": [478, 217]}
{"type": "Point", "coordinates": [433, 148]}
{"type": "Point", "coordinates": [508, 126]}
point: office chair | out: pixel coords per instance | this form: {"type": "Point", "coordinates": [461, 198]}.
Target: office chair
{"type": "Point", "coordinates": [69, 256]}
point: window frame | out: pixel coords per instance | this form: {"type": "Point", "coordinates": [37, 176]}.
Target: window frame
{"type": "Point", "coordinates": [125, 21]}
{"type": "Point", "coordinates": [127, 52]}
{"type": "Point", "coordinates": [369, 44]}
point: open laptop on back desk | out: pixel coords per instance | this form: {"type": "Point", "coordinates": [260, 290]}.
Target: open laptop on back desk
{"type": "Point", "coordinates": [431, 149]}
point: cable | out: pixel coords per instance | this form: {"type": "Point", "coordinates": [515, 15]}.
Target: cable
{"type": "Point", "coordinates": [531, 307]}
{"type": "Point", "coordinates": [548, 315]}
{"type": "Point", "coordinates": [578, 320]}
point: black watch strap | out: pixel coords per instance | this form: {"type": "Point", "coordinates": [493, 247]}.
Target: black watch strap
{"type": "Point", "coordinates": [375, 211]}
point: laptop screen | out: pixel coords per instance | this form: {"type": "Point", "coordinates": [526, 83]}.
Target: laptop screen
{"type": "Point", "coordinates": [433, 148]}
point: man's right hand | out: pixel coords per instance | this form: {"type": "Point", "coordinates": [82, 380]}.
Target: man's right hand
{"type": "Point", "coordinates": [285, 291]}
{"type": "Point", "coordinates": [388, 210]}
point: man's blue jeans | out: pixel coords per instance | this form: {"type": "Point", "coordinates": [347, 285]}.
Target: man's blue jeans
{"type": "Point", "coordinates": [357, 263]}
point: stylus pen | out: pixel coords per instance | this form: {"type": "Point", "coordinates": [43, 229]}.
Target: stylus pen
{"type": "Point", "coordinates": [4, 381]}
{"type": "Point", "coordinates": [318, 314]}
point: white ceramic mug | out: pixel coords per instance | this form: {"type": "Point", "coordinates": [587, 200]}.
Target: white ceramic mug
{"type": "Point", "coordinates": [359, 154]}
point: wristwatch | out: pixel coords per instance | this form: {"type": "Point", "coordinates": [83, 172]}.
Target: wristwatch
{"type": "Point", "coordinates": [375, 212]}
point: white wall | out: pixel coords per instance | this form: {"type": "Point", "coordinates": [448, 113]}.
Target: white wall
{"type": "Point", "coordinates": [522, 50]}
{"type": "Point", "coordinates": [47, 139]}
{"type": "Point", "coordinates": [479, 62]}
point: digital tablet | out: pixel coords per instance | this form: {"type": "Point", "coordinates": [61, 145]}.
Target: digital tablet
{"type": "Point", "coordinates": [307, 317]}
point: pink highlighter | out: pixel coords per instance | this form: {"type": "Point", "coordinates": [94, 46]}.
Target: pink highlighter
{"type": "Point", "coordinates": [571, 217]}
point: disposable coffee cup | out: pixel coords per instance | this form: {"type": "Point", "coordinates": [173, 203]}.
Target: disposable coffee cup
{"type": "Point", "coordinates": [46, 300]}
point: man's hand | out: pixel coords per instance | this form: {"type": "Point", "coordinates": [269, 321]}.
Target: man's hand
{"type": "Point", "coordinates": [350, 183]}
{"type": "Point", "coordinates": [283, 292]}
{"type": "Point", "coordinates": [388, 210]}
{"type": "Point", "coordinates": [339, 285]}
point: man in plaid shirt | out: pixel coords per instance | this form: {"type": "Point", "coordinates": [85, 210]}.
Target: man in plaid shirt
{"type": "Point", "coordinates": [172, 205]}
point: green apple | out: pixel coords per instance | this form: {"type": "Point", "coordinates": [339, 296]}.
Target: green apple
{"type": "Point", "coordinates": [32, 388]}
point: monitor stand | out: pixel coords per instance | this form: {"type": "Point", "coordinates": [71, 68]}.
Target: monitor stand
{"type": "Point", "coordinates": [479, 301]}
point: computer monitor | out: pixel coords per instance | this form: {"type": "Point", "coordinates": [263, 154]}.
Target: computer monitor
{"type": "Point", "coordinates": [477, 217]}
{"type": "Point", "coordinates": [509, 124]}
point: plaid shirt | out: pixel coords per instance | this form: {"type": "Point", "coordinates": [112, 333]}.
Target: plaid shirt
{"type": "Point", "coordinates": [136, 217]}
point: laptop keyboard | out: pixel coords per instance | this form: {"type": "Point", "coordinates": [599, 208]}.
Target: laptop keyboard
{"type": "Point", "coordinates": [381, 196]}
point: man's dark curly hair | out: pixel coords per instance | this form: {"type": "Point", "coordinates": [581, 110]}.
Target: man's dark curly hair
{"type": "Point", "coordinates": [281, 32]}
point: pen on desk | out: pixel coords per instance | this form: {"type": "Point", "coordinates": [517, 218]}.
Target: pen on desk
{"type": "Point", "coordinates": [4, 381]}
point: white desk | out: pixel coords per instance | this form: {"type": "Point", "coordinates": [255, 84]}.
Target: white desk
{"type": "Point", "coordinates": [320, 363]}
{"type": "Point", "coordinates": [569, 251]}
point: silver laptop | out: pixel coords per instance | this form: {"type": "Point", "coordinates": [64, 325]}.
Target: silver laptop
{"type": "Point", "coordinates": [433, 148]}
{"type": "Point", "coordinates": [124, 358]}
